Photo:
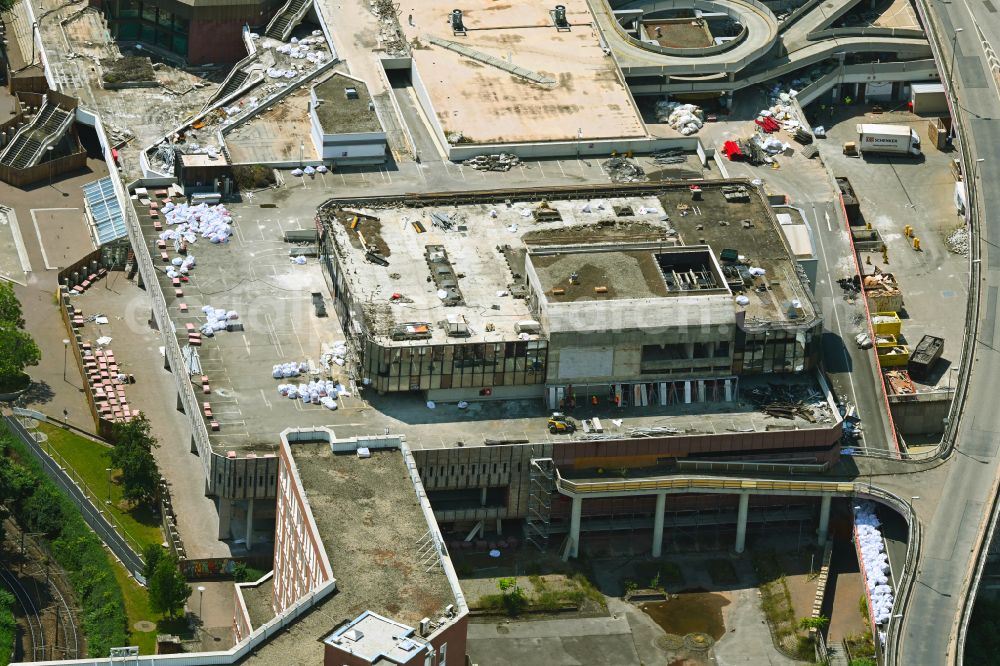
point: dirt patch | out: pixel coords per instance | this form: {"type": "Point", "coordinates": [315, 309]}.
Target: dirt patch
{"type": "Point", "coordinates": [693, 612]}
{"type": "Point", "coordinates": [600, 232]}
{"type": "Point", "coordinates": [364, 231]}
{"type": "Point", "coordinates": [684, 34]}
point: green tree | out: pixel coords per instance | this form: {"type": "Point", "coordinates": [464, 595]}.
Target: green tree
{"type": "Point", "coordinates": [17, 352]}
{"type": "Point", "coordinates": [133, 455]}
{"type": "Point", "coordinates": [168, 591]}
{"type": "Point", "coordinates": [151, 555]}
{"type": "Point", "coordinates": [43, 511]}
{"type": "Point", "coordinates": [863, 661]}
{"type": "Point", "coordinates": [10, 307]}
{"type": "Point", "coordinates": [17, 348]}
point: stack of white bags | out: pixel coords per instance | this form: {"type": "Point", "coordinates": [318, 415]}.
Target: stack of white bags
{"type": "Point", "coordinates": [179, 266]}
{"type": "Point", "coordinates": [286, 370]}
{"type": "Point", "coordinates": [211, 222]}
{"type": "Point", "coordinates": [216, 320]}
{"type": "Point", "coordinates": [874, 560]}
{"type": "Point", "coordinates": [319, 392]}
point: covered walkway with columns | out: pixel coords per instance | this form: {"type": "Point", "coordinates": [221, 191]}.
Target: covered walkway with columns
{"type": "Point", "coordinates": [579, 490]}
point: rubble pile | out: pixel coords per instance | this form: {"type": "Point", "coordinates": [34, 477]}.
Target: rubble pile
{"type": "Point", "coordinates": [781, 108]}
{"type": "Point", "coordinates": [672, 156]}
{"type": "Point", "coordinates": [497, 162]}
{"type": "Point", "coordinates": [791, 401]}
{"type": "Point", "coordinates": [623, 170]}
{"type": "Point", "coordinates": [958, 241]}
{"type": "Point", "coordinates": [685, 118]}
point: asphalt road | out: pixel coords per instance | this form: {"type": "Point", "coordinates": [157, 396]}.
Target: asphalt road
{"type": "Point", "coordinates": [97, 522]}
{"type": "Point", "coordinates": [950, 537]}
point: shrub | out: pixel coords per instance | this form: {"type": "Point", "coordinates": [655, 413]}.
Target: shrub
{"type": "Point", "coordinates": [8, 626]}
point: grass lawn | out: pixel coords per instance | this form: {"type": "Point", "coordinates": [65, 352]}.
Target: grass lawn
{"type": "Point", "coordinates": [138, 610]}
{"type": "Point", "coordinates": [89, 461]}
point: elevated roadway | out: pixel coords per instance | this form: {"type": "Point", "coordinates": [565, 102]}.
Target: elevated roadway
{"type": "Point", "coordinates": [768, 50]}
{"type": "Point", "coordinates": [957, 535]}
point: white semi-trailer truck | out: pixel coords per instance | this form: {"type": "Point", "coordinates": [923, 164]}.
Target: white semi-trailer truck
{"type": "Point", "coordinates": [889, 139]}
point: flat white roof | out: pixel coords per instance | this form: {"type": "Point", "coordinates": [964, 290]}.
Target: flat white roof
{"type": "Point", "coordinates": [927, 87]}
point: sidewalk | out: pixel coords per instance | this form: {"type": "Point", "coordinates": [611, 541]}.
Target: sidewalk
{"type": "Point", "coordinates": [137, 348]}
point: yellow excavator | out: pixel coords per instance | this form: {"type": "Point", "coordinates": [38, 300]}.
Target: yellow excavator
{"type": "Point", "coordinates": [560, 423]}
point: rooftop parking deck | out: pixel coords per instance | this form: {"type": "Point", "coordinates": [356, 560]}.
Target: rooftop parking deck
{"type": "Point", "coordinates": [587, 99]}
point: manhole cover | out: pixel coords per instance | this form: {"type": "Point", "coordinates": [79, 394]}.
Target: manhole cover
{"type": "Point", "coordinates": [698, 641]}
{"type": "Point", "coordinates": [144, 625]}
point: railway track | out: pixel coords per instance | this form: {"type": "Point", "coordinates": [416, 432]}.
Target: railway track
{"type": "Point", "coordinates": [72, 638]}
{"type": "Point", "coordinates": [38, 651]}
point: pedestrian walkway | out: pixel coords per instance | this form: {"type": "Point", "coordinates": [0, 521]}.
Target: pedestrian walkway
{"type": "Point", "coordinates": [137, 348]}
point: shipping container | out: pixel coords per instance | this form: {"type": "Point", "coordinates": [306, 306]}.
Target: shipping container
{"type": "Point", "coordinates": [925, 355]}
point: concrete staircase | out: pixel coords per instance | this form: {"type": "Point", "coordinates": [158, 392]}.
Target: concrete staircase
{"type": "Point", "coordinates": [29, 144]}
{"type": "Point", "coordinates": [835, 655]}
{"type": "Point", "coordinates": [287, 18]}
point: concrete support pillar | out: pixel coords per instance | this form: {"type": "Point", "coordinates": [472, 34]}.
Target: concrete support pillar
{"type": "Point", "coordinates": [661, 504]}
{"type": "Point", "coordinates": [482, 496]}
{"type": "Point", "coordinates": [225, 511]}
{"type": "Point", "coordinates": [499, 527]}
{"type": "Point", "coordinates": [249, 523]}
{"type": "Point", "coordinates": [824, 519]}
{"type": "Point", "coordinates": [574, 527]}
{"type": "Point", "coordinates": [688, 350]}
{"type": "Point", "coordinates": [741, 523]}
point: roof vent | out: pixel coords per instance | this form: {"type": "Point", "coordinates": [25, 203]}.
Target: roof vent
{"type": "Point", "coordinates": [353, 635]}
{"type": "Point", "coordinates": [351, 93]}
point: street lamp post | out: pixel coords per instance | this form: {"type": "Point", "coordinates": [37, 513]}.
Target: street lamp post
{"type": "Point", "coordinates": [108, 470]}
{"type": "Point", "coordinates": [201, 595]}
{"type": "Point", "coordinates": [65, 352]}
{"type": "Point", "coordinates": [951, 70]}
{"type": "Point", "coordinates": [48, 158]}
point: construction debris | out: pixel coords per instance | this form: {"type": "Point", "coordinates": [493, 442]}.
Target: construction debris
{"type": "Point", "coordinates": [899, 382]}
{"type": "Point", "coordinates": [685, 118]}
{"type": "Point", "coordinates": [791, 401]}
{"type": "Point", "coordinates": [672, 156]}
{"type": "Point", "coordinates": [623, 170]}
{"type": "Point", "coordinates": [497, 162]}
{"type": "Point", "coordinates": [655, 431]}
{"type": "Point", "coordinates": [958, 241]}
